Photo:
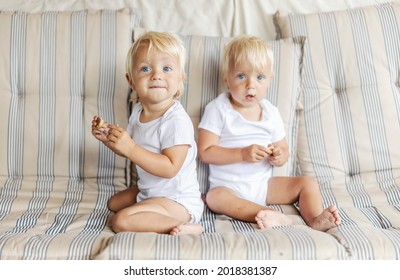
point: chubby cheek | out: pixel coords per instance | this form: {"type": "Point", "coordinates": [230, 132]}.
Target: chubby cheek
{"type": "Point", "coordinates": [236, 87]}
{"type": "Point", "coordinates": [139, 82]}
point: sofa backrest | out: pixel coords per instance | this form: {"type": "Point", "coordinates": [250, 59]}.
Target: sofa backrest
{"type": "Point", "coordinates": [350, 126]}
{"type": "Point", "coordinates": [58, 70]}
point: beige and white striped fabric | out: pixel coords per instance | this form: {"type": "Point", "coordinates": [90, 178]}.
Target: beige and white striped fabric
{"type": "Point", "coordinates": [58, 70]}
{"type": "Point", "coordinates": [350, 124]}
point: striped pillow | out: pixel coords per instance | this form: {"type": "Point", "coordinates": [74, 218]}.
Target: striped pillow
{"type": "Point", "coordinates": [204, 82]}
{"type": "Point", "coordinates": [350, 127]}
{"type": "Point", "coordinates": [57, 70]}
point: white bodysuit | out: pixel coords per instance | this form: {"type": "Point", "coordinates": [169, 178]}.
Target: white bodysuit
{"type": "Point", "coordinates": [248, 180]}
{"type": "Point", "coordinates": [171, 129]}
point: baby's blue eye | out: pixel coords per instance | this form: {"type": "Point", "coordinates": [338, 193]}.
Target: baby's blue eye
{"type": "Point", "coordinates": [241, 76]}
{"type": "Point", "coordinates": [167, 69]}
{"type": "Point", "coordinates": [145, 69]}
{"type": "Point", "coordinates": [260, 77]}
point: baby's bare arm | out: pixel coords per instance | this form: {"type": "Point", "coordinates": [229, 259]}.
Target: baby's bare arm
{"type": "Point", "coordinates": [166, 165]}
{"type": "Point", "coordinates": [210, 151]}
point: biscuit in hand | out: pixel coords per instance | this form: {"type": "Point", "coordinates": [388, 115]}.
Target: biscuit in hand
{"type": "Point", "coordinates": [100, 122]}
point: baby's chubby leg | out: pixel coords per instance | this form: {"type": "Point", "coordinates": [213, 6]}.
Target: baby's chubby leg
{"type": "Point", "coordinates": [160, 215]}
{"type": "Point", "coordinates": [223, 200]}
{"type": "Point", "coordinates": [304, 190]}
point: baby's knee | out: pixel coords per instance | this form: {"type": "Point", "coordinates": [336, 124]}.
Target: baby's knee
{"type": "Point", "coordinates": [311, 184]}
{"type": "Point", "coordinates": [215, 195]}
{"type": "Point", "coordinates": [217, 192]}
{"type": "Point", "coordinates": [307, 181]}
{"type": "Point", "coordinates": [211, 194]}
{"type": "Point", "coordinates": [112, 204]}
{"type": "Point", "coordinates": [118, 223]}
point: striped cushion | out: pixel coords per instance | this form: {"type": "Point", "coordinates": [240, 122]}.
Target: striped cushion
{"type": "Point", "coordinates": [233, 241]}
{"type": "Point", "coordinates": [204, 82]}
{"type": "Point", "coordinates": [351, 118]}
{"type": "Point", "coordinates": [349, 128]}
{"type": "Point", "coordinates": [57, 70]}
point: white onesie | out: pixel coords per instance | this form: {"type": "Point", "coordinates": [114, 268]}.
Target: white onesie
{"type": "Point", "coordinates": [248, 180]}
{"type": "Point", "coordinates": [171, 129]}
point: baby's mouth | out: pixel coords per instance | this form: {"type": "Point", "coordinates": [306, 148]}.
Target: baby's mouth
{"type": "Point", "coordinates": [250, 96]}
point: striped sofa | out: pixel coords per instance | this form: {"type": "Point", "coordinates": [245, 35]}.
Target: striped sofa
{"type": "Point", "coordinates": [336, 83]}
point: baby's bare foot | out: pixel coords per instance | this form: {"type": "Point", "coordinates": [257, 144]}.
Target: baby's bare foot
{"type": "Point", "coordinates": [328, 219]}
{"type": "Point", "coordinates": [270, 218]}
{"type": "Point", "coordinates": [187, 229]}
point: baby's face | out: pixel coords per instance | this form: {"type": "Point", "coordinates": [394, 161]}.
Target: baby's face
{"type": "Point", "coordinates": [156, 75]}
{"type": "Point", "coordinates": [247, 85]}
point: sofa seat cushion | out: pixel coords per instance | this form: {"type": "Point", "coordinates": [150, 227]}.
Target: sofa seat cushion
{"type": "Point", "coordinates": [229, 239]}
{"type": "Point", "coordinates": [61, 218]}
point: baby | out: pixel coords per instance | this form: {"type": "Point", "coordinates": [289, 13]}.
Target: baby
{"type": "Point", "coordinates": [242, 137]}
{"type": "Point", "coordinates": [159, 140]}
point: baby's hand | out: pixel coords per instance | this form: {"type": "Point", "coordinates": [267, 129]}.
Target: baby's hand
{"type": "Point", "coordinates": [254, 153]}
{"type": "Point", "coordinates": [275, 155]}
{"type": "Point", "coordinates": [100, 129]}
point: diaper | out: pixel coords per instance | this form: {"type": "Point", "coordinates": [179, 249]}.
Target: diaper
{"type": "Point", "coordinates": [255, 191]}
{"type": "Point", "coordinates": [194, 206]}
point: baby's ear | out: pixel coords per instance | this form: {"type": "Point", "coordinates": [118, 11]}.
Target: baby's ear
{"type": "Point", "coordinates": [226, 82]}
{"type": "Point", "coordinates": [130, 81]}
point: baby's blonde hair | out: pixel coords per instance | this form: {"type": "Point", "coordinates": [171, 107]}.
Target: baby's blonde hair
{"type": "Point", "coordinates": [250, 49]}
{"type": "Point", "coordinates": [164, 42]}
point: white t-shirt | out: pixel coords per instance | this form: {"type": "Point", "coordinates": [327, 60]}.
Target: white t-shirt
{"type": "Point", "coordinates": [235, 131]}
{"type": "Point", "coordinates": [173, 128]}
